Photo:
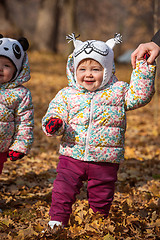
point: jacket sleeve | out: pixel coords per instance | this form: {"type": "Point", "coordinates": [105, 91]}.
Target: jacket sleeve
{"type": "Point", "coordinates": [141, 88]}
{"type": "Point", "coordinates": [156, 38]}
{"type": "Point", "coordinates": [57, 109]}
{"type": "Point", "coordinates": [24, 123]}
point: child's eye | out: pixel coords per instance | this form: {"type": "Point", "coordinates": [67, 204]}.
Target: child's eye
{"type": "Point", "coordinates": [6, 65]}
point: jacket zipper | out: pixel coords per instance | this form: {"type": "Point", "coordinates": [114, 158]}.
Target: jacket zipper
{"type": "Point", "coordinates": [89, 130]}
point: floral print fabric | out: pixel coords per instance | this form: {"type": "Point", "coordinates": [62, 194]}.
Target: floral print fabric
{"type": "Point", "coordinates": [16, 113]}
{"type": "Point", "coordinates": [94, 123]}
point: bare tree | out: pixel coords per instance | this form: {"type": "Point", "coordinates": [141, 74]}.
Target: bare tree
{"type": "Point", "coordinates": [71, 16]}
{"type": "Point", "coordinates": [57, 16]}
{"type": "Point", "coordinates": [47, 28]}
{"type": "Point", "coordinates": [7, 27]}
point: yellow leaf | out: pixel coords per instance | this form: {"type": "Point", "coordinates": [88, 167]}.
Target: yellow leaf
{"type": "Point", "coordinates": [155, 189]}
{"type": "Point", "coordinates": [6, 221]}
{"type": "Point", "coordinates": [78, 219]}
{"type": "Point", "coordinates": [28, 232]}
{"type": "Point", "coordinates": [90, 228]}
{"type": "Point", "coordinates": [38, 227]}
{"type": "Point", "coordinates": [108, 237]}
{"type": "Point", "coordinates": [111, 228]}
{"type": "Point", "coordinates": [91, 211]}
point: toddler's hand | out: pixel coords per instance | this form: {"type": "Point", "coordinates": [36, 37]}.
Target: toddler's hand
{"type": "Point", "coordinates": [53, 125]}
{"type": "Point", "coordinates": [13, 155]}
{"type": "Point", "coordinates": [146, 56]}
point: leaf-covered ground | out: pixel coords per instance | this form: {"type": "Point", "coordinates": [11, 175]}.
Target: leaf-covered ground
{"type": "Point", "coordinates": [26, 185]}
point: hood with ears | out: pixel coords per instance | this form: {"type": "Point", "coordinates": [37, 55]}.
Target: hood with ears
{"type": "Point", "coordinates": [97, 50]}
{"type": "Point", "coordinates": [24, 76]}
{"type": "Point", "coordinates": [14, 50]}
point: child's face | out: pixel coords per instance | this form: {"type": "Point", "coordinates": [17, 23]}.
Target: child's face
{"type": "Point", "coordinates": [89, 74]}
{"type": "Point", "coordinates": [7, 70]}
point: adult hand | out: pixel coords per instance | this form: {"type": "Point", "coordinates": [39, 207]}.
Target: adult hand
{"type": "Point", "coordinates": [151, 48]}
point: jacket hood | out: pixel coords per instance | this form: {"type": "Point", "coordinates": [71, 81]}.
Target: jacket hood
{"type": "Point", "coordinates": [14, 50]}
{"type": "Point", "coordinates": [70, 71]}
{"type": "Point", "coordinates": [97, 50]}
{"type": "Point", "coordinates": [23, 76]}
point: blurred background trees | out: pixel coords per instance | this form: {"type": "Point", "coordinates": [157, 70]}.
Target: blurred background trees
{"type": "Point", "coordinates": [46, 22]}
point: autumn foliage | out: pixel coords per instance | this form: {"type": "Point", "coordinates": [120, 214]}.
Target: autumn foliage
{"type": "Point", "coordinates": [26, 185]}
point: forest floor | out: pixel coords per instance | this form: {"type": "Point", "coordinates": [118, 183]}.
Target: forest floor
{"type": "Point", "coordinates": [26, 185]}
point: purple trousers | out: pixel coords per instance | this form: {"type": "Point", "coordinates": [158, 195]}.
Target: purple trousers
{"type": "Point", "coordinates": [71, 174]}
{"type": "Point", "coordinates": [3, 158]}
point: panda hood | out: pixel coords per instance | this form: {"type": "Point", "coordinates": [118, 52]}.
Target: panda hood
{"type": "Point", "coordinates": [14, 50]}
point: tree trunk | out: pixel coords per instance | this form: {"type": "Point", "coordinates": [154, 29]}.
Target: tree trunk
{"type": "Point", "coordinates": [47, 29]}
{"type": "Point", "coordinates": [71, 18]}
{"type": "Point", "coordinates": [7, 28]}
{"type": "Point", "coordinates": [57, 15]}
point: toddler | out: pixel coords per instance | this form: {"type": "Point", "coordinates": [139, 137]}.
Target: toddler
{"type": "Point", "coordinates": [16, 108]}
{"type": "Point", "coordinates": [90, 114]}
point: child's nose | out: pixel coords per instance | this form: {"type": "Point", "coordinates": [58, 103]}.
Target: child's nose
{"type": "Point", "coordinates": [89, 73]}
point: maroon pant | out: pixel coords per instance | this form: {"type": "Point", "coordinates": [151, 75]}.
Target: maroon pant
{"type": "Point", "coordinates": [71, 174]}
{"type": "Point", "coordinates": [3, 158]}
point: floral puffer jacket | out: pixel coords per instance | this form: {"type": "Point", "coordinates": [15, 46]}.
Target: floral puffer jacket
{"type": "Point", "coordinates": [16, 113]}
{"type": "Point", "coordinates": [94, 123]}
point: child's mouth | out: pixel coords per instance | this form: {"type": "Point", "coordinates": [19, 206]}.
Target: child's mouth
{"type": "Point", "coordinates": [89, 82]}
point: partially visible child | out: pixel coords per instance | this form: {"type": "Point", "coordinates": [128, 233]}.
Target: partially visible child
{"type": "Point", "coordinates": [16, 108]}
{"type": "Point", "coordinates": [90, 114]}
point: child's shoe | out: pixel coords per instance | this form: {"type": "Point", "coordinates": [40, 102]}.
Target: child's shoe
{"type": "Point", "coordinates": [54, 224]}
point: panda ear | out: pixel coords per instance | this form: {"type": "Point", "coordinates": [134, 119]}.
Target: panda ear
{"type": "Point", "coordinates": [1, 36]}
{"type": "Point", "coordinates": [24, 43]}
